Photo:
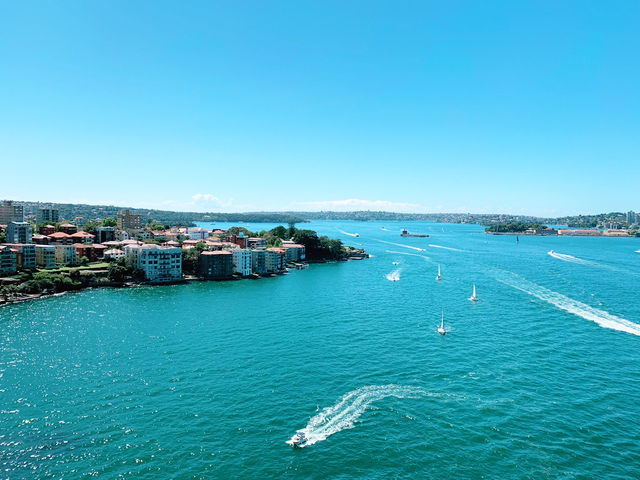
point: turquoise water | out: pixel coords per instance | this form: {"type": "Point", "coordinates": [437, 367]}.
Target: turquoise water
{"type": "Point", "coordinates": [538, 379]}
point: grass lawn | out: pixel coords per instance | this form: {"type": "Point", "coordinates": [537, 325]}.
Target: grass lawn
{"type": "Point", "coordinates": [91, 266]}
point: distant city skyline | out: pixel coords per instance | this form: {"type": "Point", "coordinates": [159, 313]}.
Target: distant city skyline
{"type": "Point", "coordinates": [525, 108]}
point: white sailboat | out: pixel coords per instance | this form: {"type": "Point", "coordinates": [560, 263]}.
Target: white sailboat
{"type": "Point", "coordinates": [473, 297]}
{"type": "Point", "coordinates": [441, 329]}
{"type": "Point", "coordinates": [439, 276]}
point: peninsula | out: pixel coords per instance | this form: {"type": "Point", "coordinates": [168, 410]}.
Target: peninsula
{"type": "Point", "coordinates": [115, 252]}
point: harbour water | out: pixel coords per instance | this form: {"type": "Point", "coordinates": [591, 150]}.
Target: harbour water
{"type": "Point", "coordinates": [538, 379]}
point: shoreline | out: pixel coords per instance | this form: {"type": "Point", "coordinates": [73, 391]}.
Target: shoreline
{"type": "Point", "coordinates": [22, 298]}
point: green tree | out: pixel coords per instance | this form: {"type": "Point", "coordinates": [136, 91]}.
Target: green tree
{"type": "Point", "coordinates": [90, 227]}
{"type": "Point", "coordinates": [83, 261]}
{"type": "Point", "coordinates": [117, 272]}
{"type": "Point", "coordinates": [280, 232]}
{"type": "Point", "coordinates": [109, 222]}
{"type": "Point", "coordinates": [292, 229]}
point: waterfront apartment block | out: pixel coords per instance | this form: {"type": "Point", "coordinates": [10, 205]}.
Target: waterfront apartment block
{"type": "Point", "coordinates": [160, 264]}
{"type": "Point", "coordinates": [8, 261]}
{"type": "Point", "coordinates": [45, 256]}
{"type": "Point", "coordinates": [259, 261]}
{"type": "Point", "coordinates": [129, 221]}
{"type": "Point", "coordinates": [19, 232]}
{"type": "Point", "coordinates": [276, 259]}
{"type": "Point", "coordinates": [242, 262]}
{"type": "Point", "coordinates": [48, 215]}
{"type": "Point", "coordinates": [66, 254]}
{"type": "Point", "coordinates": [216, 264]}
{"type": "Point", "coordinates": [294, 251]}
{"type": "Point", "coordinates": [25, 255]}
{"type": "Point", "coordinates": [11, 212]}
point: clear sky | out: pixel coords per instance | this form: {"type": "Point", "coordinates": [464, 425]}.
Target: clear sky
{"type": "Point", "coordinates": [458, 106]}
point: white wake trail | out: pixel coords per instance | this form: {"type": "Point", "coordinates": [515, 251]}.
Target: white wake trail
{"type": "Point", "coordinates": [446, 248]}
{"type": "Point", "coordinates": [403, 246]}
{"type": "Point", "coordinates": [394, 276]}
{"type": "Point", "coordinates": [350, 407]}
{"type": "Point", "coordinates": [350, 234]}
{"type": "Point", "coordinates": [410, 254]}
{"type": "Point", "coordinates": [602, 318]}
{"type": "Point", "coordinates": [570, 258]}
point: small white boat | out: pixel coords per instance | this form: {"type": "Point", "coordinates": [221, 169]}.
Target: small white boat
{"type": "Point", "coordinates": [473, 297]}
{"type": "Point", "coordinates": [441, 329]}
{"type": "Point", "coordinates": [299, 440]}
{"type": "Point", "coordinates": [395, 263]}
{"type": "Point", "coordinates": [356, 234]}
{"type": "Point", "coordinates": [439, 276]}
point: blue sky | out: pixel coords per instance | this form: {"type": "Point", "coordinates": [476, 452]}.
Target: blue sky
{"type": "Point", "coordinates": [457, 106]}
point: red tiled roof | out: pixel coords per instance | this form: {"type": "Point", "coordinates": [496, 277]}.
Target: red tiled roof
{"type": "Point", "coordinates": [59, 235]}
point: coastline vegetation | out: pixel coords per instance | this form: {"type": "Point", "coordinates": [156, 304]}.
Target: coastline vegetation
{"type": "Point", "coordinates": [514, 227]}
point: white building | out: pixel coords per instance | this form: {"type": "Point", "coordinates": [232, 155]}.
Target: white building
{"type": "Point", "coordinates": [160, 264]}
{"type": "Point", "coordinates": [46, 256]}
{"type": "Point", "coordinates": [66, 254]}
{"type": "Point", "coordinates": [242, 262]}
{"type": "Point", "coordinates": [113, 254]}
{"type": "Point", "coordinates": [197, 233]}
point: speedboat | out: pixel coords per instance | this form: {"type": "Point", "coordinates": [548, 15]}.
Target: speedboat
{"type": "Point", "coordinates": [439, 276]}
{"type": "Point", "coordinates": [299, 440]}
{"type": "Point", "coordinates": [395, 263]}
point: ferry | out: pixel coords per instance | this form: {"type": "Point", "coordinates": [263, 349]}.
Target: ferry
{"type": "Point", "coordinates": [405, 233]}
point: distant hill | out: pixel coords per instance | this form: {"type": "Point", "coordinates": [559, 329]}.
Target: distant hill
{"type": "Point", "coordinates": [69, 211]}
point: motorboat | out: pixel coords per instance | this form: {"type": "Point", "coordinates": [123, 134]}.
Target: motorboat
{"type": "Point", "coordinates": [439, 276]}
{"type": "Point", "coordinates": [299, 440]}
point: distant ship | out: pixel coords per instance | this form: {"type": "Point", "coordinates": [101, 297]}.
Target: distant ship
{"type": "Point", "coordinates": [405, 233]}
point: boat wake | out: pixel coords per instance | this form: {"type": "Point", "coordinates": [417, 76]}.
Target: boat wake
{"type": "Point", "coordinates": [350, 234]}
{"type": "Point", "coordinates": [446, 248]}
{"type": "Point", "coordinates": [602, 318]}
{"type": "Point", "coordinates": [393, 276]}
{"type": "Point", "coordinates": [351, 406]}
{"type": "Point", "coordinates": [410, 254]}
{"type": "Point", "coordinates": [403, 246]}
{"type": "Point", "coordinates": [570, 258]}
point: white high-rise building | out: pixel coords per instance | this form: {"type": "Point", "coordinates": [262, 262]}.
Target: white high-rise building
{"type": "Point", "coordinates": [160, 264]}
{"type": "Point", "coordinates": [242, 262]}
